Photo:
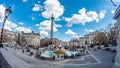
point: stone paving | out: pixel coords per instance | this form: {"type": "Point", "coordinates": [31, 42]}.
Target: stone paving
{"type": "Point", "coordinates": [105, 57]}
{"type": "Point", "coordinates": [83, 60]}
{"type": "Point", "coordinates": [99, 58]}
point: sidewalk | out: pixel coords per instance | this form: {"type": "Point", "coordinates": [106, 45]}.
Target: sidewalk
{"type": "Point", "coordinates": [14, 61]}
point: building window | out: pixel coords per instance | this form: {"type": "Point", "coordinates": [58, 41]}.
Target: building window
{"type": "Point", "coordinates": [85, 42]}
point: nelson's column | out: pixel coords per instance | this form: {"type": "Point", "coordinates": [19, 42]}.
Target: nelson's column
{"type": "Point", "coordinates": [51, 36]}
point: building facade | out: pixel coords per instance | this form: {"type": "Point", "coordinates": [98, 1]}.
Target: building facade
{"type": "Point", "coordinates": [32, 39]}
{"type": "Point", "coordinates": [87, 39]}
{"type": "Point", "coordinates": [84, 40]}
{"type": "Point", "coordinates": [74, 42]}
{"type": "Point", "coordinates": [8, 36]}
{"type": "Point", "coordinates": [116, 30]}
{"type": "Point", "coordinates": [117, 58]}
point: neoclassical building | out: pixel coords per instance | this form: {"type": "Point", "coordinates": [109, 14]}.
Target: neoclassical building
{"type": "Point", "coordinates": [74, 42]}
{"type": "Point", "coordinates": [8, 36]}
{"type": "Point", "coordinates": [84, 40]}
{"type": "Point", "coordinates": [117, 18]}
{"type": "Point", "coordinates": [32, 39]}
{"type": "Point", "coordinates": [87, 39]}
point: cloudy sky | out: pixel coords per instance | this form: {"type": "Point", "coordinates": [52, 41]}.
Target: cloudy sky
{"type": "Point", "coordinates": [73, 18]}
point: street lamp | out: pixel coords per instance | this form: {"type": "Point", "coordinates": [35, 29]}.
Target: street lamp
{"type": "Point", "coordinates": [7, 12]}
{"type": "Point", "coordinates": [113, 3]}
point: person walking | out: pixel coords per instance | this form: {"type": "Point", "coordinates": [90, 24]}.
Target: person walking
{"type": "Point", "coordinates": [22, 50]}
{"type": "Point", "coordinates": [86, 49]}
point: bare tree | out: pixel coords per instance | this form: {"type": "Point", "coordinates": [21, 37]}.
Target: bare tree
{"type": "Point", "coordinates": [100, 38]}
{"type": "Point", "coordinates": [23, 40]}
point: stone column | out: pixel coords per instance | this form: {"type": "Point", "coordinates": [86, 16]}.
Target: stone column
{"type": "Point", "coordinates": [117, 58]}
{"type": "Point", "coordinates": [51, 36]}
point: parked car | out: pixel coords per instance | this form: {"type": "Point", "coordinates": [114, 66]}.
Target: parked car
{"type": "Point", "coordinates": [111, 48]}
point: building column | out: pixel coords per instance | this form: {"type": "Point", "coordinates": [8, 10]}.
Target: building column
{"type": "Point", "coordinates": [117, 58]}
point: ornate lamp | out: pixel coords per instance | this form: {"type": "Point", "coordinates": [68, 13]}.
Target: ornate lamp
{"type": "Point", "coordinates": [7, 12]}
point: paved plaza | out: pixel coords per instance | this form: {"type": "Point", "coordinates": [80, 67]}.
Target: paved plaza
{"type": "Point", "coordinates": [97, 59]}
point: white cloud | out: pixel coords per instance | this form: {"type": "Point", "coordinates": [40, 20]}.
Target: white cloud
{"type": "Point", "coordinates": [37, 25]}
{"type": "Point", "coordinates": [43, 33]}
{"type": "Point", "coordinates": [7, 28]}
{"type": "Point", "coordinates": [70, 32]}
{"type": "Point", "coordinates": [24, 29]}
{"type": "Point", "coordinates": [37, 7]}
{"type": "Point", "coordinates": [57, 25]}
{"type": "Point", "coordinates": [2, 12]}
{"type": "Point", "coordinates": [89, 30]}
{"type": "Point", "coordinates": [21, 23]}
{"type": "Point", "coordinates": [52, 7]}
{"type": "Point", "coordinates": [83, 17]}
{"type": "Point", "coordinates": [116, 0]}
{"type": "Point", "coordinates": [8, 24]}
{"type": "Point", "coordinates": [33, 18]}
{"type": "Point", "coordinates": [45, 27]}
{"type": "Point", "coordinates": [24, 0]}
{"type": "Point", "coordinates": [102, 14]}
{"type": "Point", "coordinates": [57, 19]}
{"type": "Point", "coordinates": [112, 11]}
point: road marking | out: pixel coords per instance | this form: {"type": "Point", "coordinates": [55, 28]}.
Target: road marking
{"type": "Point", "coordinates": [96, 58]}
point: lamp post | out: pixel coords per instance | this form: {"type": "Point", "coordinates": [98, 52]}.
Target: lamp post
{"type": "Point", "coordinates": [113, 3]}
{"type": "Point", "coordinates": [7, 12]}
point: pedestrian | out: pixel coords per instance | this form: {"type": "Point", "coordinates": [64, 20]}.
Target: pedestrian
{"type": "Point", "coordinates": [23, 50]}
{"type": "Point", "coordinates": [95, 48]}
{"type": "Point", "coordinates": [86, 49]}
{"type": "Point", "coordinates": [53, 57]}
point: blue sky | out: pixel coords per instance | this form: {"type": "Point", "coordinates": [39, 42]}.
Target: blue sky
{"type": "Point", "coordinates": [73, 18]}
